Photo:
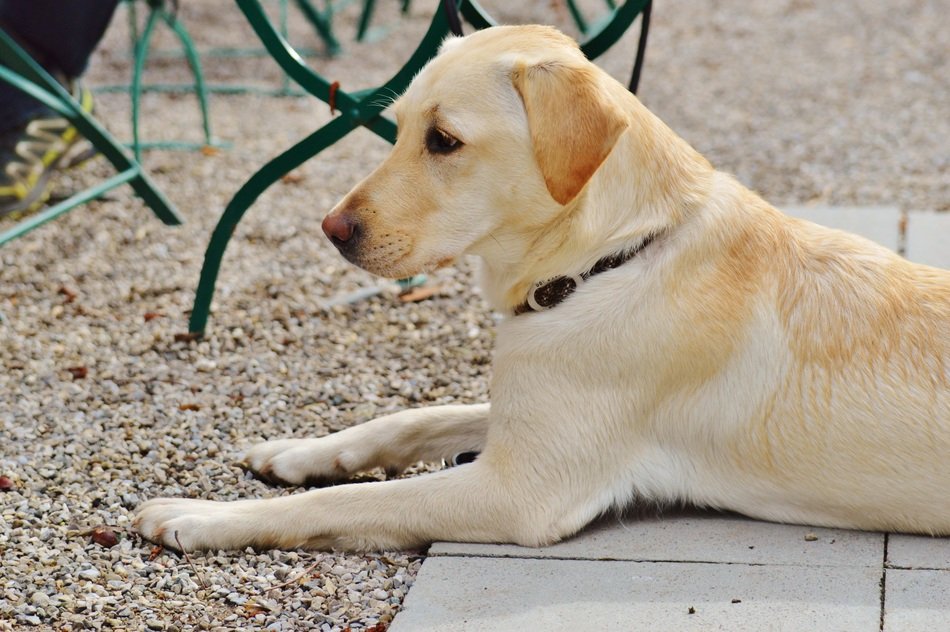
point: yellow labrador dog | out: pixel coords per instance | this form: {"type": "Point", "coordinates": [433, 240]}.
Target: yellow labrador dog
{"type": "Point", "coordinates": [669, 336]}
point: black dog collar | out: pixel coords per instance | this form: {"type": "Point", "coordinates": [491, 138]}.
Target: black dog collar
{"type": "Point", "coordinates": [546, 294]}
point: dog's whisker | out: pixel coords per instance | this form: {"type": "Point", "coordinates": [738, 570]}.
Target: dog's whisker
{"type": "Point", "coordinates": [383, 101]}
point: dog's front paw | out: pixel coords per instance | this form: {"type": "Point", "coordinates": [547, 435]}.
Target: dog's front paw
{"type": "Point", "coordinates": [188, 525]}
{"type": "Point", "coordinates": [298, 461]}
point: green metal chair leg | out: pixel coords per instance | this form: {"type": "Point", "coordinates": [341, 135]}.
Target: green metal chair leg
{"type": "Point", "coordinates": [142, 48]}
{"type": "Point", "coordinates": [194, 61]}
{"type": "Point", "coordinates": [285, 86]}
{"type": "Point", "coordinates": [363, 111]}
{"type": "Point", "coordinates": [597, 39]}
{"type": "Point", "coordinates": [368, 7]}
{"type": "Point", "coordinates": [579, 20]}
{"type": "Point", "coordinates": [48, 214]}
{"type": "Point", "coordinates": [243, 199]}
{"type": "Point", "coordinates": [611, 28]}
{"type": "Point", "coordinates": [322, 24]}
{"type": "Point", "coordinates": [141, 55]}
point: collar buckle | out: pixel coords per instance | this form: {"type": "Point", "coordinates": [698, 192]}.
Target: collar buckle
{"type": "Point", "coordinates": [546, 294]}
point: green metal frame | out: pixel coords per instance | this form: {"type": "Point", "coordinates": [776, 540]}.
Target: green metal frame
{"type": "Point", "coordinates": [20, 70]}
{"type": "Point", "coordinates": [367, 14]}
{"type": "Point", "coordinates": [158, 12]}
{"type": "Point", "coordinates": [582, 24]}
{"type": "Point", "coordinates": [364, 108]}
{"type": "Point", "coordinates": [320, 19]}
{"type": "Point", "coordinates": [322, 22]}
{"type": "Point", "coordinates": [579, 20]}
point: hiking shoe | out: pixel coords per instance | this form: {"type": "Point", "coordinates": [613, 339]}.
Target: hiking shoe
{"type": "Point", "coordinates": [30, 153]}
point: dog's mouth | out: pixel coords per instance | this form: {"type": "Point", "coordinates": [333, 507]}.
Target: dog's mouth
{"type": "Point", "coordinates": [391, 259]}
{"type": "Point", "coordinates": [386, 252]}
{"type": "Point", "coordinates": [380, 251]}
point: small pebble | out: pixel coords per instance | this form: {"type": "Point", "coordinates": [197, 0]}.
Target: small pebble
{"type": "Point", "coordinates": [40, 599]}
{"type": "Point", "coordinates": [89, 573]}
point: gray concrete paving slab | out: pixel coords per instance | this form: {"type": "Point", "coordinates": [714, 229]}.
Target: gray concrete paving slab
{"type": "Point", "coordinates": [877, 223]}
{"type": "Point", "coordinates": [928, 238]}
{"type": "Point", "coordinates": [460, 594]}
{"type": "Point", "coordinates": [914, 551]}
{"type": "Point", "coordinates": [917, 601]}
{"type": "Point", "coordinates": [696, 536]}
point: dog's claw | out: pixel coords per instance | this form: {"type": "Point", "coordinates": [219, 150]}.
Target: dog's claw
{"type": "Point", "coordinates": [182, 524]}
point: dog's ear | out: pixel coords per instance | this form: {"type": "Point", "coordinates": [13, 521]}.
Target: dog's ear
{"type": "Point", "coordinates": [572, 123]}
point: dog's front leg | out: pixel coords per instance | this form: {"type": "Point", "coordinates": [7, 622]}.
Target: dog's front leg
{"type": "Point", "coordinates": [393, 442]}
{"type": "Point", "coordinates": [472, 502]}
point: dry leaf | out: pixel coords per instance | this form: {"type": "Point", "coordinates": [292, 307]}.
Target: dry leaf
{"type": "Point", "coordinates": [78, 372]}
{"type": "Point", "coordinates": [104, 536]}
{"type": "Point", "coordinates": [189, 407]}
{"type": "Point", "coordinates": [252, 609]}
{"type": "Point", "coordinates": [152, 316]}
{"type": "Point", "coordinates": [70, 294]}
{"type": "Point", "coordinates": [417, 294]}
{"type": "Point", "coordinates": [294, 177]}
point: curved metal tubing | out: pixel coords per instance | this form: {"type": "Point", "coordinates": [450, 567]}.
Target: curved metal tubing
{"type": "Point", "coordinates": [243, 199]}
{"type": "Point", "coordinates": [141, 54]}
{"type": "Point", "coordinates": [613, 28]}
{"type": "Point", "coordinates": [48, 214]}
{"type": "Point", "coordinates": [475, 15]}
{"type": "Point", "coordinates": [321, 23]}
{"type": "Point", "coordinates": [142, 48]}
{"type": "Point", "coordinates": [191, 54]}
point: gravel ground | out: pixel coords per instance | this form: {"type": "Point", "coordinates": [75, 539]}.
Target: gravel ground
{"type": "Point", "coordinates": [101, 407]}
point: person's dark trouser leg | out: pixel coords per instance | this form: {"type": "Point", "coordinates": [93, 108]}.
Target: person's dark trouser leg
{"type": "Point", "coordinates": [59, 34]}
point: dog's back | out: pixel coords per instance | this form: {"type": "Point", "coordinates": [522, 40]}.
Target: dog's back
{"type": "Point", "coordinates": [846, 420]}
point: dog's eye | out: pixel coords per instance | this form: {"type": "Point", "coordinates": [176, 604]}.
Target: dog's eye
{"type": "Point", "coordinates": [438, 142]}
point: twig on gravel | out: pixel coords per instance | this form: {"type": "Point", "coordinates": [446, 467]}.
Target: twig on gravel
{"type": "Point", "coordinates": [201, 579]}
{"type": "Point", "coordinates": [81, 533]}
{"type": "Point", "coordinates": [296, 579]}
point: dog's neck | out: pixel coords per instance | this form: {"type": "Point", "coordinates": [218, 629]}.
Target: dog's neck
{"type": "Point", "coordinates": [651, 182]}
{"type": "Point", "coordinates": [547, 294]}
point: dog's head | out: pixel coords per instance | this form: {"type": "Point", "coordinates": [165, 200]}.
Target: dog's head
{"type": "Point", "coordinates": [497, 136]}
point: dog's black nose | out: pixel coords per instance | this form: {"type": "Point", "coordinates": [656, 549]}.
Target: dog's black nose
{"type": "Point", "coordinates": [341, 229]}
